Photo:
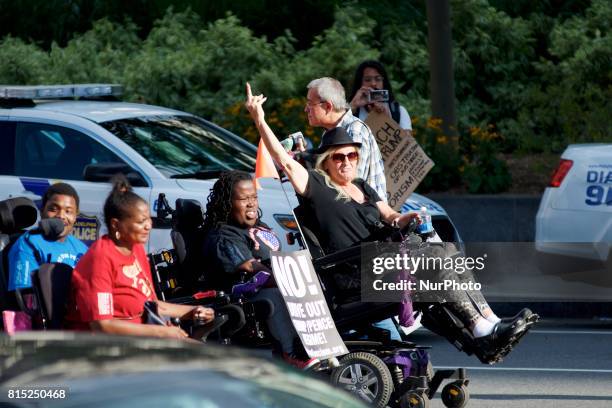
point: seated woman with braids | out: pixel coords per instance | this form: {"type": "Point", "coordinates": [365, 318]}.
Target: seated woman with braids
{"type": "Point", "coordinates": [347, 208]}
{"type": "Point", "coordinates": [237, 243]}
{"type": "Point", "coordinates": [112, 281]}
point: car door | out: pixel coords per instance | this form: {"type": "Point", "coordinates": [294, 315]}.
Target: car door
{"type": "Point", "coordinates": [48, 153]}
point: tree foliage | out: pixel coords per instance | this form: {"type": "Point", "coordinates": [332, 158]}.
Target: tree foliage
{"type": "Point", "coordinates": [575, 102]}
{"type": "Point", "coordinates": [534, 74]}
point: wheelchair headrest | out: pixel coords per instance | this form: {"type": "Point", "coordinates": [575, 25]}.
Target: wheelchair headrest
{"type": "Point", "coordinates": [17, 214]}
{"type": "Point", "coordinates": [178, 242]}
{"type": "Point", "coordinates": [189, 214]}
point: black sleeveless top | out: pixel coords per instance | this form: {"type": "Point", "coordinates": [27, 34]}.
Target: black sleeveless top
{"type": "Point", "coordinates": [341, 224]}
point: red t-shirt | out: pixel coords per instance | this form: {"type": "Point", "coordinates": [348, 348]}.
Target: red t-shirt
{"type": "Point", "coordinates": [109, 285]}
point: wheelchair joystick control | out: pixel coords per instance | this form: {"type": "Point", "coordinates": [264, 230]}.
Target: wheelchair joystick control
{"type": "Point", "coordinates": [412, 226]}
{"type": "Point", "coordinates": [199, 322]}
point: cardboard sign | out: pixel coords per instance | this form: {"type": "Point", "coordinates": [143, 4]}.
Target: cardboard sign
{"type": "Point", "coordinates": [300, 287]}
{"type": "Point", "coordinates": [406, 164]}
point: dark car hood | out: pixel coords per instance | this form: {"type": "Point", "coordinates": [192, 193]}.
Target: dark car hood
{"type": "Point", "coordinates": [117, 371]}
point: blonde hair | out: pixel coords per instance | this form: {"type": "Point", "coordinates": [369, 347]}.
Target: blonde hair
{"type": "Point", "coordinates": [342, 195]}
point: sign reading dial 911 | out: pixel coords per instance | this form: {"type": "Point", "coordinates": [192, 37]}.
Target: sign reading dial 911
{"type": "Point", "coordinates": [301, 290]}
{"type": "Point", "coordinates": [599, 188]}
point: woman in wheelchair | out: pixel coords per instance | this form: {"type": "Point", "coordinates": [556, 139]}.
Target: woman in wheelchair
{"type": "Point", "coordinates": [347, 210]}
{"type": "Point", "coordinates": [238, 243]}
{"type": "Point", "coordinates": [112, 281]}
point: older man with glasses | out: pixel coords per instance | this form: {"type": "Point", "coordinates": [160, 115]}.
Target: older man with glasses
{"type": "Point", "coordinates": [326, 107]}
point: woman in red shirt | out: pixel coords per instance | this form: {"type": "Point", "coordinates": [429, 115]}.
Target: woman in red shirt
{"type": "Point", "coordinates": [112, 281]}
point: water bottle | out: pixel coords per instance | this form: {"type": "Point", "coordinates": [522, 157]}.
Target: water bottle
{"type": "Point", "coordinates": [426, 227]}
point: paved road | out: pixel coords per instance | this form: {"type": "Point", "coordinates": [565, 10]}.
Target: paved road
{"type": "Point", "coordinates": [559, 364]}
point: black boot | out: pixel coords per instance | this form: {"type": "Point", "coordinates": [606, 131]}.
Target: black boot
{"type": "Point", "coordinates": [501, 340]}
{"type": "Point", "coordinates": [527, 315]}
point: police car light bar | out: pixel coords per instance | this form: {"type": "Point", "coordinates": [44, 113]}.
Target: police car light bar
{"type": "Point", "coordinates": [59, 91]}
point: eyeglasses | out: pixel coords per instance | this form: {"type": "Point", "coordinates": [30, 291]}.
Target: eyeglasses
{"type": "Point", "coordinates": [339, 157]}
{"type": "Point", "coordinates": [377, 78]}
{"type": "Point", "coordinates": [313, 104]}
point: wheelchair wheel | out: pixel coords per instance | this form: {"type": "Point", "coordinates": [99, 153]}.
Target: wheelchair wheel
{"type": "Point", "coordinates": [415, 399]}
{"type": "Point", "coordinates": [455, 395]}
{"type": "Point", "coordinates": [365, 375]}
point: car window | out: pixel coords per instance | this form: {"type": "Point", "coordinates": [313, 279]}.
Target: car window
{"type": "Point", "coordinates": [183, 145]}
{"type": "Point", "coordinates": [49, 151]}
{"type": "Point", "coordinates": [7, 151]}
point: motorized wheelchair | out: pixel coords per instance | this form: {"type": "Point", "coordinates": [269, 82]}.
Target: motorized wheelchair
{"type": "Point", "coordinates": [176, 281]}
{"type": "Point", "coordinates": [379, 370]}
{"type": "Point", "coordinates": [435, 315]}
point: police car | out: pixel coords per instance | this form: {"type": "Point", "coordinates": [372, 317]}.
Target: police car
{"type": "Point", "coordinates": [82, 134]}
{"type": "Point", "coordinates": [575, 214]}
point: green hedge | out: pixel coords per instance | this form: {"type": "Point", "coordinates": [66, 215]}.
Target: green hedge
{"type": "Point", "coordinates": [530, 83]}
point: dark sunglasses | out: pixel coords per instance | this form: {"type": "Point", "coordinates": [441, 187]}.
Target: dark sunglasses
{"type": "Point", "coordinates": [339, 157]}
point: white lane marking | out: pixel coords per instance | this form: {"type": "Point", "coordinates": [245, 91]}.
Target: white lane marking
{"type": "Point", "coordinates": [588, 332]}
{"type": "Point", "coordinates": [564, 370]}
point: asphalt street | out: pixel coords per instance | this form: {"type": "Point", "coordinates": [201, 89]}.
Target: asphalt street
{"type": "Point", "coordinates": [560, 363]}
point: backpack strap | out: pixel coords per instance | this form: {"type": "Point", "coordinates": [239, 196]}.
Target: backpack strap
{"type": "Point", "coordinates": [395, 111]}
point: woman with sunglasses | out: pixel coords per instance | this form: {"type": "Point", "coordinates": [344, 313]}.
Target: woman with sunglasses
{"type": "Point", "coordinates": [347, 211]}
{"type": "Point", "coordinates": [346, 207]}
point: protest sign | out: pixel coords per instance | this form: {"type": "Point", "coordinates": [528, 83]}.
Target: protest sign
{"type": "Point", "coordinates": [300, 287]}
{"type": "Point", "coordinates": [406, 164]}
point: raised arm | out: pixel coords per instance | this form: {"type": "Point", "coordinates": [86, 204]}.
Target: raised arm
{"type": "Point", "coordinates": [295, 171]}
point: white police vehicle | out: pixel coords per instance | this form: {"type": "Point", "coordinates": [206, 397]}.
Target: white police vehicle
{"type": "Point", "coordinates": [575, 214]}
{"type": "Point", "coordinates": [71, 133]}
